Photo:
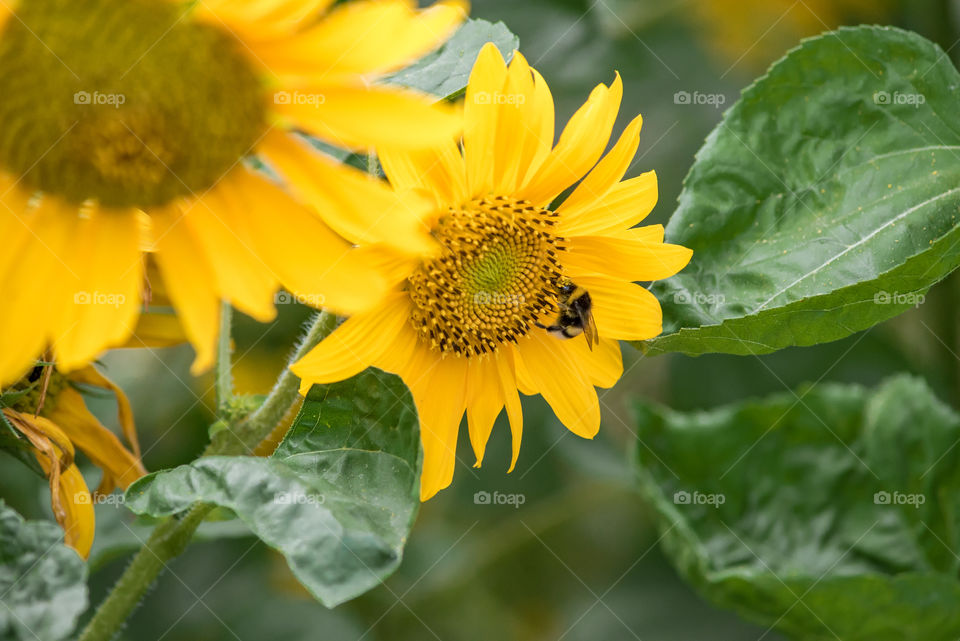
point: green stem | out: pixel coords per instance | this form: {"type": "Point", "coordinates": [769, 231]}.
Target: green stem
{"type": "Point", "coordinates": [243, 438]}
{"type": "Point", "coordinates": [224, 383]}
{"type": "Point", "coordinates": [166, 542]}
{"type": "Point", "coordinates": [171, 537]}
{"type": "Point", "coordinates": [373, 164]}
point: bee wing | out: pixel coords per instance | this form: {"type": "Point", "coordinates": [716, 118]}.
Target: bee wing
{"type": "Point", "coordinates": [589, 328]}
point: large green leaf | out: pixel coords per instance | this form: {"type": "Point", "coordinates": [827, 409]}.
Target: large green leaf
{"type": "Point", "coordinates": [831, 514]}
{"type": "Point", "coordinates": [337, 499]}
{"type": "Point", "coordinates": [824, 203]}
{"type": "Point", "coordinates": [444, 72]}
{"type": "Point", "coordinates": [43, 585]}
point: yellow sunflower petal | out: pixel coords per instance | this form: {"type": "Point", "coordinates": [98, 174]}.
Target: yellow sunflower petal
{"type": "Point", "coordinates": [361, 118]}
{"type": "Point", "coordinates": [79, 522]}
{"type": "Point", "coordinates": [506, 374]}
{"type": "Point", "coordinates": [218, 222]}
{"type": "Point", "coordinates": [69, 495]}
{"type": "Point", "coordinates": [190, 282]}
{"type": "Point", "coordinates": [439, 170]}
{"type": "Point", "coordinates": [601, 178]}
{"type": "Point", "coordinates": [363, 37]}
{"type": "Point", "coordinates": [355, 345]}
{"type": "Point", "coordinates": [487, 79]}
{"type": "Point", "coordinates": [91, 376]}
{"type": "Point", "coordinates": [562, 383]}
{"type": "Point", "coordinates": [512, 126]}
{"type": "Point", "coordinates": [14, 226]}
{"type": "Point", "coordinates": [622, 207]}
{"type": "Point", "coordinates": [406, 357]}
{"type": "Point", "coordinates": [580, 146]}
{"type": "Point", "coordinates": [34, 289]}
{"type": "Point", "coordinates": [359, 207]}
{"type": "Point", "coordinates": [440, 398]}
{"type": "Point", "coordinates": [524, 126]}
{"type": "Point", "coordinates": [260, 19]}
{"type": "Point", "coordinates": [622, 310]}
{"type": "Point", "coordinates": [624, 257]}
{"type": "Point", "coordinates": [484, 403]}
{"type": "Point", "coordinates": [307, 256]}
{"type": "Point", "coordinates": [105, 297]}
{"type": "Point", "coordinates": [602, 365]}
{"type": "Point", "coordinates": [540, 121]}
{"type": "Point", "coordinates": [100, 445]}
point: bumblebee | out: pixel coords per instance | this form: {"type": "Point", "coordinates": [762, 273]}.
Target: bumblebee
{"type": "Point", "coordinates": [576, 315]}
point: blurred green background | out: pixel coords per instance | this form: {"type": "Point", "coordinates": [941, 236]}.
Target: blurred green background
{"type": "Point", "coordinates": [579, 558]}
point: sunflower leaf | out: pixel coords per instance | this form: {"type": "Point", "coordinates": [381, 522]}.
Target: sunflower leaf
{"type": "Point", "coordinates": [824, 203]}
{"type": "Point", "coordinates": [444, 72]}
{"type": "Point", "coordinates": [42, 581]}
{"type": "Point", "coordinates": [337, 498]}
{"type": "Point", "coordinates": [830, 513]}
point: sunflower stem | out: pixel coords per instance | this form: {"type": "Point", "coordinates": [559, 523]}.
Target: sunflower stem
{"type": "Point", "coordinates": [166, 542]}
{"type": "Point", "coordinates": [285, 392]}
{"type": "Point", "coordinates": [373, 164]}
{"type": "Point", "coordinates": [169, 539]}
{"type": "Point", "coordinates": [224, 383]}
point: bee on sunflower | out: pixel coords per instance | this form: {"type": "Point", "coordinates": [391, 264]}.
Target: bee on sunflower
{"type": "Point", "coordinates": [524, 295]}
{"type": "Point", "coordinates": [127, 130]}
{"type": "Point", "coordinates": [50, 422]}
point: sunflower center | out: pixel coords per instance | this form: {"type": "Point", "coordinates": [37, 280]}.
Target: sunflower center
{"type": "Point", "coordinates": [494, 279]}
{"type": "Point", "coordinates": [127, 102]}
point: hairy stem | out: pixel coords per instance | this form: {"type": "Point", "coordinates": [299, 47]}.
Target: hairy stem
{"type": "Point", "coordinates": [171, 537]}
{"type": "Point", "coordinates": [224, 382]}
{"type": "Point", "coordinates": [166, 542]}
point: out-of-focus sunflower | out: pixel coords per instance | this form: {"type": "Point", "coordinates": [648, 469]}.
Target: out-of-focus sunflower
{"type": "Point", "coordinates": [125, 127]}
{"type": "Point", "coordinates": [466, 328]}
{"type": "Point", "coordinates": [753, 32]}
{"type": "Point", "coordinates": [50, 415]}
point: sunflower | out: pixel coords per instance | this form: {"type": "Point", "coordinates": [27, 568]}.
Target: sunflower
{"type": "Point", "coordinates": [136, 126]}
{"type": "Point", "coordinates": [467, 328]}
{"type": "Point", "coordinates": [757, 32]}
{"type": "Point", "coordinates": [51, 419]}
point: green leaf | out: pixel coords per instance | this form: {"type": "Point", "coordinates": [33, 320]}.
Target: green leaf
{"type": "Point", "coordinates": [42, 582]}
{"type": "Point", "coordinates": [444, 72]}
{"type": "Point", "coordinates": [824, 203]}
{"type": "Point", "coordinates": [337, 498]}
{"type": "Point", "coordinates": [833, 513]}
